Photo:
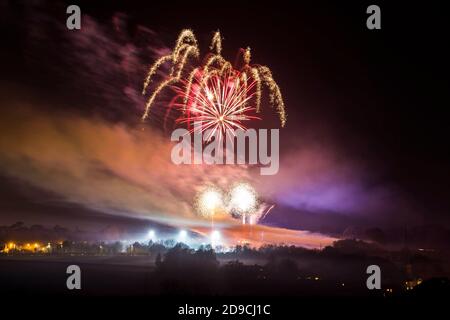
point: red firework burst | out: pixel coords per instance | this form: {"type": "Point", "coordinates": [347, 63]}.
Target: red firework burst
{"type": "Point", "coordinates": [217, 102]}
{"type": "Point", "coordinates": [222, 91]}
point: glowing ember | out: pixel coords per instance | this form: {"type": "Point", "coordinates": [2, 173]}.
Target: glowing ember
{"type": "Point", "coordinates": [218, 103]}
{"type": "Point", "coordinates": [203, 84]}
{"type": "Point", "coordinates": [243, 199]}
{"type": "Point", "coordinates": [209, 201]}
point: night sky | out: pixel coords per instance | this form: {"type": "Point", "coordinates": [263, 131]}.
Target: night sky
{"type": "Point", "coordinates": [366, 141]}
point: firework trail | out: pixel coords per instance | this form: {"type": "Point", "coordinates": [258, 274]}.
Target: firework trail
{"type": "Point", "coordinates": [231, 88]}
{"type": "Point", "coordinates": [264, 214]}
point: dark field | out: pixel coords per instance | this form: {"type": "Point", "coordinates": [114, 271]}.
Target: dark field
{"type": "Point", "coordinates": [100, 276]}
{"type": "Point", "coordinates": [180, 274]}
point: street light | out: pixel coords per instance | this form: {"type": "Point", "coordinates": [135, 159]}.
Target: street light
{"type": "Point", "coordinates": [182, 236]}
{"type": "Point", "coordinates": [215, 238]}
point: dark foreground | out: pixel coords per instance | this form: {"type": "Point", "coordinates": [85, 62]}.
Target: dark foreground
{"type": "Point", "coordinates": [202, 276]}
{"type": "Point", "coordinates": [128, 284]}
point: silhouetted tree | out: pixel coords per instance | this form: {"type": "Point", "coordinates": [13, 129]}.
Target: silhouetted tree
{"type": "Point", "coordinates": [158, 260]}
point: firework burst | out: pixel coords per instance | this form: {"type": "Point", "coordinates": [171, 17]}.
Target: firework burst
{"type": "Point", "coordinates": [215, 92]}
{"type": "Point", "coordinates": [219, 103]}
{"type": "Point", "coordinates": [240, 202]}
{"type": "Point", "coordinates": [209, 201]}
{"type": "Point", "coordinates": [243, 201]}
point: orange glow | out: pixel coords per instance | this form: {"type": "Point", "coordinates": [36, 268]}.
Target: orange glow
{"type": "Point", "coordinates": [35, 247]}
{"type": "Point", "coordinates": [258, 235]}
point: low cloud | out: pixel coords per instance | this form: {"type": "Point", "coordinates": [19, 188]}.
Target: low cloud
{"type": "Point", "coordinates": [112, 168]}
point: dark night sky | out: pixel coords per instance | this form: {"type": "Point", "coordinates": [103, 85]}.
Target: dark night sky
{"type": "Point", "coordinates": [378, 97]}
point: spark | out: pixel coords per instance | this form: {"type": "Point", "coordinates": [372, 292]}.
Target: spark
{"type": "Point", "coordinates": [182, 236]}
{"type": "Point", "coordinates": [243, 199]}
{"type": "Point", "coordinates": [215, 238]}
{"type": "Point", "coordinates": [264, 214]}
{"type": "Point", "coordinates": [216, 43]}
{"type": "Point", "coordinates": [209, 201]}
{"type": "Point", "coordinates": [240, 202]}
{"type": "Point", "coordinates": [218, 104]}
{"type": "Point", "coordinates": [186, 43]}
{"type": "Point", "coordinates": [153, 70]}
{"type": "Point", "coordinates": [151, 234]}
{"type": "Point", "coordinates": [255, 76]}
{"type": "Point", "coordinates": [215, 71]}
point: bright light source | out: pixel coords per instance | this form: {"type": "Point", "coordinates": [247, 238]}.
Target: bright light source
{"type": "Point", "coordinates": [208, 201]}
{"type": "Point", "coordinates": [215, 238]}
{"type": "Point", "coordinates": [151, 234]}
{"type": "Point", "coordinates": [215, 235]}
{"type": "Point", "coordinates": [243, 198]}
{"type": "Point", "coordinates": [211, 199]}
{"type": "Point", "coordinates": [182, 235]}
